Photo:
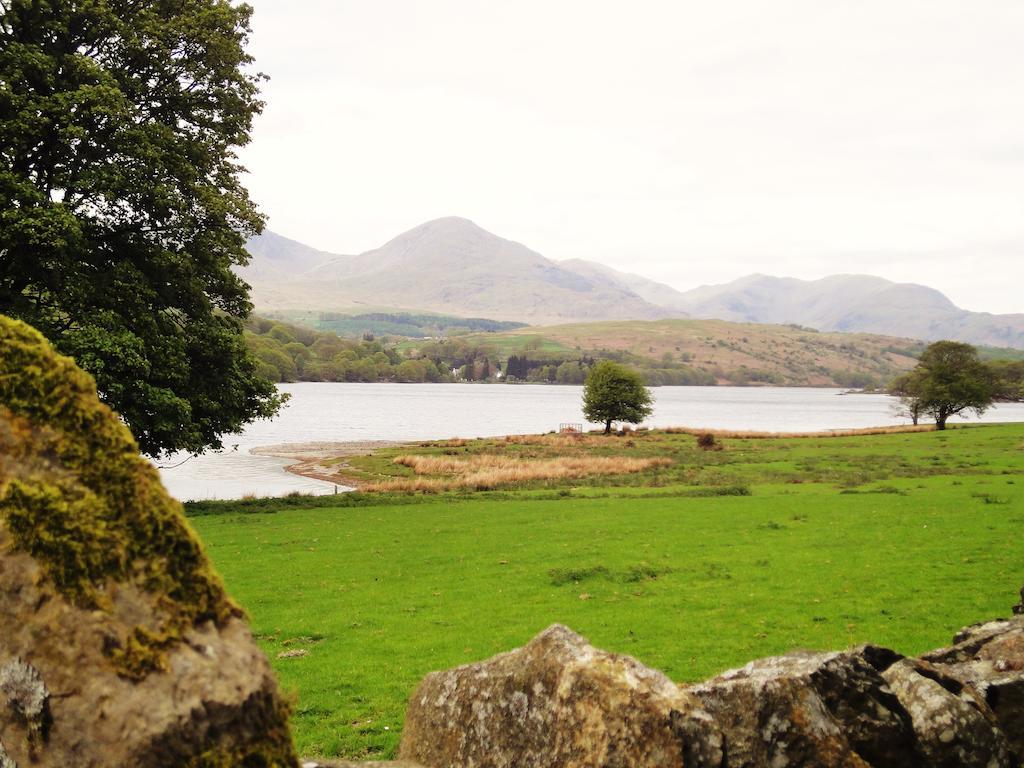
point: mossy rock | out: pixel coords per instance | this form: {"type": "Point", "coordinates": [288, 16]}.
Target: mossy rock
{"type": "Point", "coordinates": [106, 540]}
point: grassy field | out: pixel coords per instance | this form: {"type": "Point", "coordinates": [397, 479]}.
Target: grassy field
{"type": "Point", "coordinates": [721, 556]}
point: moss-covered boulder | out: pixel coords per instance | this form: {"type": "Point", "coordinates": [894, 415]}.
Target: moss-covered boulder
{"type": "Point", "coordinates": [118, 643]}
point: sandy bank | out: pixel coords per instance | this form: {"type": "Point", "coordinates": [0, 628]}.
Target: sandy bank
{"type": "Point", "coordinates": [324, 460]}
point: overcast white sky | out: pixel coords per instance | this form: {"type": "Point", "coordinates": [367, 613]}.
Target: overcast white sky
{"type": "Point", "coordinates": [692, 142]}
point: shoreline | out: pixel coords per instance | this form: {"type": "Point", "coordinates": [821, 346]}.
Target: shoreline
{"type": "Point", "coordinates": [309, 458]}
{"type": "Point", "coordinates": [325, 460]}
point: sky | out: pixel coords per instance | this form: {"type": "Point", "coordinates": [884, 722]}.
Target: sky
{"type": "Point", "coordinates": [690, 142]}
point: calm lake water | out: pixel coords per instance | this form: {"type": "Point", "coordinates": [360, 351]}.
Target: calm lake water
{"type": "Point", "coordinates": [344, 412]}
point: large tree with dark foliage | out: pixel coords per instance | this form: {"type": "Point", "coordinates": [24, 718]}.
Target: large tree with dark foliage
{"type": "Point", "coordinates": [121, 209]}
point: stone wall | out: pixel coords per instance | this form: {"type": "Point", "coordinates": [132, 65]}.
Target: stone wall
{"type": "Point", "coordinates": [559, 702]}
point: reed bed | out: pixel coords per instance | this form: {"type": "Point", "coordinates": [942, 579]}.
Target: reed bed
{"type": "Point", "coordinates": [454, 442]}
{"type": "Point", "coordinates": [483, 473]}
{"type": "Point", "coordinates": [750, 435]}
{"type": "Point", "coordinates": [559, 439]}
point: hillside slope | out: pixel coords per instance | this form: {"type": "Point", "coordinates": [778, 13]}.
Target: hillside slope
{"type": "Point", "coordinates": [853, 303]}
{"type": "Point", "coordinates": [656, 293]}
{"type": "Point", "coordinates": [732, 353]}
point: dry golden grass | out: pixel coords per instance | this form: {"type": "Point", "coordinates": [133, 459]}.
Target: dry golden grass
{"type": "Point", "coordinates": [559, 440]}
{"type": "Point", "coordinates": [487, 472]}
{"type": "Point", "coordinates": [454, 442]}
{"type": "Point", "coordinates": [748, 435]}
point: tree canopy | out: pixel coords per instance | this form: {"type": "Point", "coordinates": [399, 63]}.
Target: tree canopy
{"type": "Point", "coordinates": [949, 379]}
{"type": "Point", "coordinates": [121, 208]}
{"type": "Point", "coordinates": [613, 392]}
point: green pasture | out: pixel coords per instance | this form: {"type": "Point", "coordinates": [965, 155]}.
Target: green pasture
{"type": "Point", "coordinates": [894, 539]}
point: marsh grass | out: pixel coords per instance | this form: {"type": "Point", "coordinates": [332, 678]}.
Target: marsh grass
{"type": "Point", "coordinates": [485, 472]}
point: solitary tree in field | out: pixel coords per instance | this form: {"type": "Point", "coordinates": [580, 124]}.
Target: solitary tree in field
{"type": "Point", "coordinates": [613, 392]}
{"type": "Point", "coordinates": [121, 206]}
{"type": "Point", "coordinates": [949, 379]}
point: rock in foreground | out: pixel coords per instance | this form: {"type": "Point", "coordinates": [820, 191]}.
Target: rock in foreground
{"type": "Point", "coordinates": [118, 644]}
{"type": "Point", "coordinates": [988, 660]}
{"type": "Point", "coordinates": [556, 702]}
{"type": "Point", "coordinates": [810, 709]}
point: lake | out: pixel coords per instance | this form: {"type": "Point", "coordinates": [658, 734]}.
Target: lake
{"type": "Point", "coordinates": [348, 412]}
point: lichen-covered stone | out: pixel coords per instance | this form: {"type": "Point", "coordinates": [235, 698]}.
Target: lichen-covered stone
{"type": "Point", "coordinates": [113, 624]}
{"type": "Point", "coordinates": [24, 693]}
{"type": "Point", "coordinates": [810, 709]}
{"type": "Point", "coordinates": [559, 702]}
{"type": "Point", "coordinates": [953, 725]}
{"type": "Point", "coordinates": [556, 703]}
{"type": "Point", "coordinates": [989, 658]}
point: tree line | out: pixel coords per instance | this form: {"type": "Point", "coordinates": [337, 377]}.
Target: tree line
{"type": "Point", "coordinates": [286, 352]}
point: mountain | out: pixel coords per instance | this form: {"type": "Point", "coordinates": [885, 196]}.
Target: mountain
{"type": "Point", "coordinates": [656, 293]}
{"type": "Point", "coordinates": [453, 267]}
{"type": "Point", "coordinates": [860, 303]}
{"type": "Point", "coordinates": [449, 265]}
{"type": "Point", "coordinates": [275, 257]}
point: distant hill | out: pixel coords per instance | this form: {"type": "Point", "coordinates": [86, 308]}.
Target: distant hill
{"type": "Point", "coordinates": [450, 266]}
{"type": "Point", "coordinates": [860, 303]}
{"type": "Point", "coordinates": [730, 353]}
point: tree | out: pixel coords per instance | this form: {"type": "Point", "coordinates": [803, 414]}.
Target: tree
{"type": "Point", "coordinates": [613, 392]}
{"type": "Point", "coordinates": [121, 209]}
{"type": "Point", "coordinates": [1009, 379]}
{"type": "Point", "coordinates": [908, 405]}
{"type": "Point", "coordinates": [949, 379]}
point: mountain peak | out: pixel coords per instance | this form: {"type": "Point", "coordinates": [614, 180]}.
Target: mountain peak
{"type": "Point", "coordinates": [448, 225]}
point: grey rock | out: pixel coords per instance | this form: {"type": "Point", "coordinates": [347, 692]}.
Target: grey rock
{"type": "Point", "coordinates": [557, 702]}
{"type": "Point", "coordinates": [953, 725]}
{"type": "Point", "coordinates": [25, 694]}
{"type": "Point", "coordinates": [811, 709]}
{"type": "Point", "coordinates": [989, 658]}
